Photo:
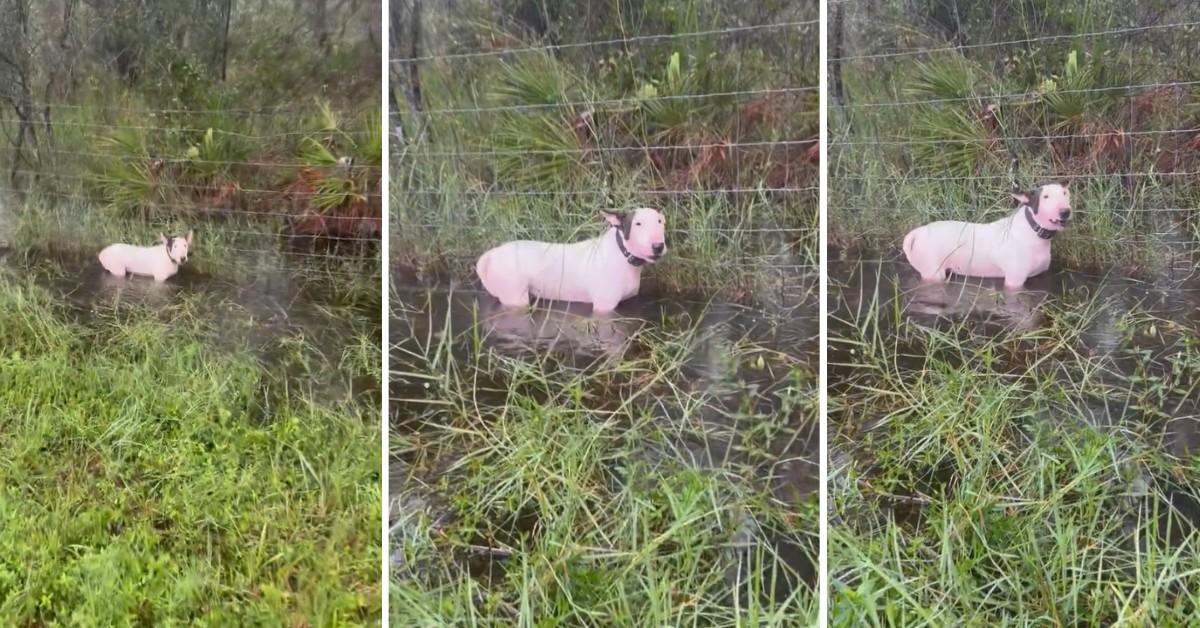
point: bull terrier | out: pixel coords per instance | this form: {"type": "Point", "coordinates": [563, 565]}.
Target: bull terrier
{"type": "Point", "coordinates": [1015, 248]}
{"type": "Point", "coordinates": [602, 271]}
{"type": "Point", "coordinates": [160, 261]}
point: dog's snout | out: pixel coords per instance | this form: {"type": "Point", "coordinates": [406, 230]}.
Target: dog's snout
{"type": "Point", "coordinates": [1066, 213]}
{"type": "Point", "coordinates": [658, 248]}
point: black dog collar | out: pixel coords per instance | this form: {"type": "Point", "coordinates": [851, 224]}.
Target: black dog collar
{"type": "Point", "coordinates": [170, 241]}
{"type": "Point", "coordinates": [1041, 231]}
{"type": "Point", "coordinates": [629, 257]}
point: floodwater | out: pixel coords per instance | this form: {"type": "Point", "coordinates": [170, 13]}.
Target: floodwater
{"type": "Point", "coordinates": [1167, 310]}
{"type": "Point", "coordinates": [264, 313]}
{"type": "Point", "coordinates": [559, 335]}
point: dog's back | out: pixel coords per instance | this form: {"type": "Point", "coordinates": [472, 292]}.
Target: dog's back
{"type": "Point", "coordinates": [149, 261]}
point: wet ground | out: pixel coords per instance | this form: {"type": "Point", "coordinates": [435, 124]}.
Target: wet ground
{"type": "Point", "coordinates": [1143, 333]}
{"type": "Point", "coordinates": [265, 313]}
{"type": "Point", "coordinates": [741, 360]}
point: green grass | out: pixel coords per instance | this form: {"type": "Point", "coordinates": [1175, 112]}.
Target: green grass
{"type": "Point", "coordinates": [148, 477]}
{"type": "Point", "coordinates": [1014, 477]}
{"type": "Point", "coordinates": [621, 493]}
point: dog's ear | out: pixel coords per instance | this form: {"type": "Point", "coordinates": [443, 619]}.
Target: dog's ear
{"type": "Point", "coordinates": [620, 220]}
{"type": "Point", "coordinates": [1066, 184]}
{"type": "Point", "coordinates": [613, 218]}
{"type": "Point", "coordinates": [162, 238]}
{"type": "Point", "coordinates": [1021, 197]}
{"type": "Point", "coordinates": [188, 238]}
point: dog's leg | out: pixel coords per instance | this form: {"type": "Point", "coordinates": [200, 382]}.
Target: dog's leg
{"type": "Point", "coordinates": [604, 305]}
{"type": "Point", "coordinates": [941, 275]}
{"type": "Point", "coordinates": [1015, 274]}
{"type": "Point", "coordinates": [605, 299]}
{"type": "Point", "coordinates": [507, 285]}
{"type": "Point", "coordinates": [515, 301]}
{"type": "Point", "coordinates": [1014, 281]}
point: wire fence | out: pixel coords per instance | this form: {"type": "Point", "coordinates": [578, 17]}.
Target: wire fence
{"type": "Point", "coordinates": [715, 126]}
{"type": "Point", "coordinates": [297, 191]}
{"type": "Point", "coordinates": [938, 116]}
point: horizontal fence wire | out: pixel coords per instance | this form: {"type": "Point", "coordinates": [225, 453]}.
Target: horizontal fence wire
{"type": "Point", "coordinates": [272, 113]}
{"type": "Point", "coordinates": [1017, 138]}
{"type": "Point", "coordinates": [1016, 95]}
{"type": "Point", "coordinates": [1015, 42]}
{"type": "Point", "coordinates": [807, 24]}
{"type": "Point", "coordinates": [153, 159]}
{"type": "Point", "coordinates": [626, 102]}
{"type": "Point", "coordinates": [111, 126]}
{"type": "Point", "coordinates": [768, 263]}
{"type": "Point", "coordinates": [609, 149]}
{"type": "Point", "coordinates": [451, 190]}
{"type": "Point", "coordinates": [1185, 286]}
{"type": "Point", "coordinates": [91, 178]}
{"type": "Point", "coordinates": [609, 192]}
{"type": "Point", "coordinates": [1006, 177]}
{"type": "Point", "coordinates": [732, 230]}
{"type": "Point", "coordinates": [1131, 150]}
{"type": "Point", "coordinates": [269, 205]}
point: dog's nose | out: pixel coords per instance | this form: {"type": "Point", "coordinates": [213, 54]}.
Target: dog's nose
{"type": "Point", "coordinates": [658, 248]}
{"type": "Point", "coordinates": [1066, 213]}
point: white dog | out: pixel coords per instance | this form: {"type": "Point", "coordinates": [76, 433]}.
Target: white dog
{"type": "Point", "coordinates": [1015, 248]}
{"type": "Point", "coordinates": [161, 261]}
{"type": "Point", "coordinates": [602, 271]}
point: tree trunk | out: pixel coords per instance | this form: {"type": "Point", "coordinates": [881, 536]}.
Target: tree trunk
{"type": "Point", "coordinates": [225, 40]}
{"type": "Point", "coordinates": [416, 103]}
{"type": "Point", "coordinates": [835, 63]}
{"type": "Point", "coordinates": [321, 26]}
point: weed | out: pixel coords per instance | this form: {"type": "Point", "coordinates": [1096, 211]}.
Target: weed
{"type": "Point", "coordinates": [618, 492]}
{"type": "Point", "coordinates": [143, 480]}
{"type": "Point", "coordinates": [997, 474]}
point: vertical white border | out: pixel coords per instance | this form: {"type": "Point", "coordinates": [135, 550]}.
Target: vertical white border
{"type": "Point", "coordinates": [823, 325]}
{"type": "Point", "coordinates": [385, 201]}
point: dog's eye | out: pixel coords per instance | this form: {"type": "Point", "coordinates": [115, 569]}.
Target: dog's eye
{"type": "Point", "coordinates": [1045, 196]}
{"type": "Point", "coordinates": [637, 224]}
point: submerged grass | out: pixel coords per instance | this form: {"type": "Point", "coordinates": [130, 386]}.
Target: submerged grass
{"type": "Point", "coordinates": [147, 477]}
{"type": "Point", "coordinates": [1023, 477]}
{"type": "Point", "coordinates": [531, 491]}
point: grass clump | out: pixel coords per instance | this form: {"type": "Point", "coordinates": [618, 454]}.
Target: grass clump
{"type": "Point", "coordinates": [1014, 476]}
{"type": "Point", "coordinates": [623, 492]}
{"type": "Point", "coordinates": [149, 478]}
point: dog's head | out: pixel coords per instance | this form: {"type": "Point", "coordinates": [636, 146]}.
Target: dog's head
{"type": "Point", "coordinates": [177, 246]}
{"type": "Point", "coordinates": [1050, 204]}
{"type": "Point", "coordinates": [644, 231]}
